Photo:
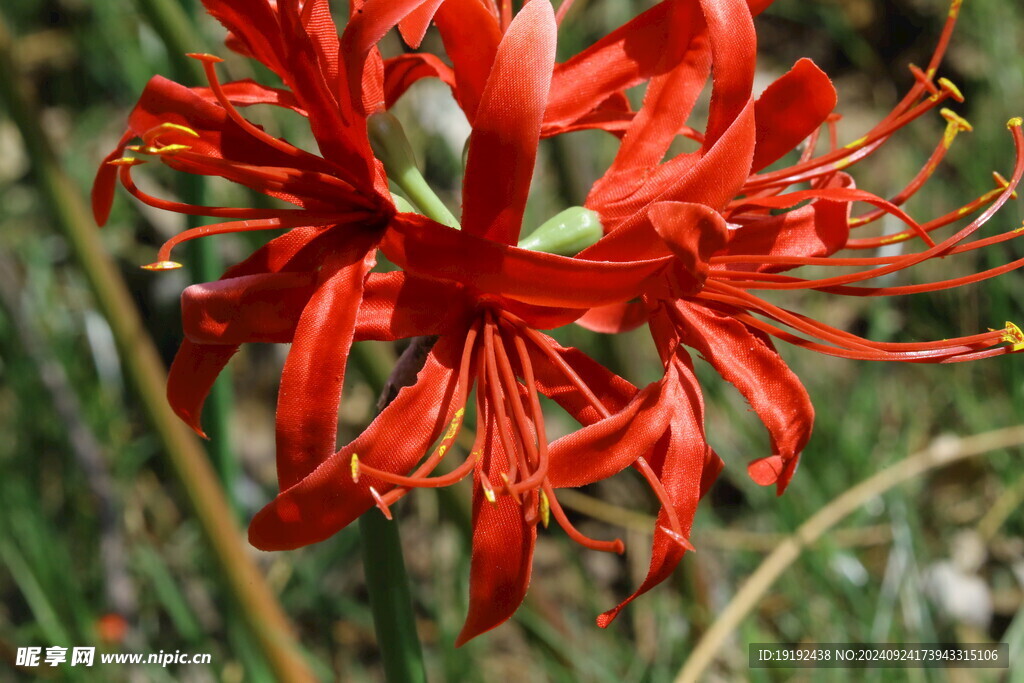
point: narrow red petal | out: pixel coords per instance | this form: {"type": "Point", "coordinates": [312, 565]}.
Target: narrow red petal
{"type": "Point", "coordinates": [506, 129]}
{"type": "Point", "coordinates": [310, 393]}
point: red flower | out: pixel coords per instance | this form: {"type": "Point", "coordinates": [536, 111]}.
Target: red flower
{"type": "Point", "coordinates": [341, 196]}
{"type": "Point", "coordinates": [484, 299]}
{"type": "Point", "coordinates": [711, 209]}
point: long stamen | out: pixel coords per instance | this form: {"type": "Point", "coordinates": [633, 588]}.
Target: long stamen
{"type": "Point", "coordinates": [853, 152]}
{"type": "Point", "coordinates": [125, 164]}
{"type": "Point", "coordinates": [164, 255]}
{"type": "Point", "coordinates": [615, 546]}
{"type": "Point", "coordinates": [539, 475]}
{"type": "Point", "coordinates": [842, 338]}
{"type": "Point", "coordinates": [944, 248]}
{"type": "Point", "coordinates": [208, 61]}
{"type": "Point", "coordinates": [515, 456]}
{"type": "Point", "coordinates": [955, 125]}
{"type": "Point", "coordinates": [562, 365]}
{"type": "Point", "coordinates": [676, 529]}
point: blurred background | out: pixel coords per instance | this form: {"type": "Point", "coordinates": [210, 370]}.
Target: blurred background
{"type": "Point", "coordinates": [100, 541]}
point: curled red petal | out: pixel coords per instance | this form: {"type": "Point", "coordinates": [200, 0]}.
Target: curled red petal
{"type": "Point", "coordinates": [749, 361]}
{"type": "Point", "coordinates": [191, 376]}
{"type": "Point", "coordinates": [733, 50]}
{"type": "Point", "coordinates": [612, 444]}
{"type": "Point", "coordinates": [614, 318]}
{"type": "Point", "coordinates": [679, 461]}
{"type": "Point", "coordinates": [692, 231]}
{"type": "Point", "coordinates": [620, 60]}
{"type": "Point", "coordinates": [326, 500]}
{"type": "Point", "coordinates": [254, 308]}
{"type": "Point", "coordinates": [402, 71]}
{"type": "Point", "coordinates": [196, 366]}
{"type": "Point", "coordinates": [430, 249]}
{"type": "Point", "coordinates": [471, 36]}
{"type": "Point", "coordinates": [415, 25]}
{"type": "Point", "coordinates": [819, 229]}
{"type": "Point", "coordinates": [105, 183]}
{"type": "Point", "coordinates": [790, 109]}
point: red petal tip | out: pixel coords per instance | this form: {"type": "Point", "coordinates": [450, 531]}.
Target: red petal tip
{"type": "Point", "coordinates": [766, 471]}
{"type": "Point", "coordinates": [204, 57]}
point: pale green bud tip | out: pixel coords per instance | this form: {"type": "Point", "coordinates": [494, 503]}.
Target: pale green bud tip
{"type": "Point", "coordinates": [388, 141]}
{"type": "Point", "coordinates": [567, 233]}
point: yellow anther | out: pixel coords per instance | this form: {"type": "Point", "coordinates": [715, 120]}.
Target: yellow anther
{"type": "Point", "coordinates": [355, 468]}
{"type": "Point", "coordinates": [477, 455]}
{"type": "Point", "coordinates": [856, 143]}
{"type": "Point", "coordinates": [841, 164]}
{"type": "Point", "coordinates": [204, 57]}
{"type": "Point", "coordinates": [167, 127]}
{"type": "Point", "coordinates": [954, 8]}
{"type": "Point", "coordinates": [441, 450]}
{"type": "Point", "coordinates": [1015, 122]}
{"type": "Point", "coordinates": [1018, 230]}
{"type": "Point", "coordinates": [162, 265]}
{"type": "Point", "coordinates": [157, 151]}
{"type": "Point", "coordinates": [951, 88]}
{"type": "Point", "coordinates": [1013, 335]}
{"type": "Point", "coordinates": [489, 494]}
{"type": "Point", "coordinates": [961, 123]}
{"type": "Point", "coordinates": [899, 237]}
{"type": "Point", "coordinates": [545, 510]}
{"type": "Point", "coordinates": [173, 149]}
{"type": "Point", "coordinates": [1003, 183]}
{"type": "Point", "coordinates": [453, 427]}
{"type": "Point", "coordinates": [126, 161]}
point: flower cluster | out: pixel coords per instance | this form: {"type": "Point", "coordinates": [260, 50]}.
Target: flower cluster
{"type": "Point", "coordinates": [681, 244]}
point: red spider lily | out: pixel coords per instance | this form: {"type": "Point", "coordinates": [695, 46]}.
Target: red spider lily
{"type": "Point", "coordinates": [484, 301]}
{"type": "Point", "coordinates": [713, 214]}
{"type": "Point", "coordinates": [341, 195]}
{"type": "Point", "coordinates": [711, 209]}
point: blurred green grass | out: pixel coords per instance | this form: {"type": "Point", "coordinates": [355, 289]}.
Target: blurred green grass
{"type": "Point", "coordinates": [89, 61]}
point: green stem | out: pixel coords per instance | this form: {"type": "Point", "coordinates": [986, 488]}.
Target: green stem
{"type": "Point", "coordinates": [383, 564]}
{"type": "Point", "coordinates": [390, 600]}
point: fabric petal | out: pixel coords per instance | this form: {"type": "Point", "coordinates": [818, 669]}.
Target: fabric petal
{"type": "Point", "coordinates": [506, 129]}
{"type": "Point", "coordinates": [196, 366]}
{"type": "Point", "coordinates": [502, 559]}
{"type": "Point", "coordinates": [614, 318]}
{"type": "Point", "coordinates": [402, 71]}
{"type": "Point", "coordinates": [430, 249]}
{"type": "Point", "coordinates": [679, 461]}
{"type": "Point", "coordinates": [692, 231]}
{"type": "Point", "coordinates": [820, 228]}
{"type": "Point", "coordinates": [712, 179]}
{"type": "Point", "coordinates": [415, 25]}
{"type": "Point", "coordinates": [608, 446]}
{"type": "Point", "coordinates": [314, 371]}
{"type": "Point", "coordinates": [626, 57]}
{"type": "Point", "coordinates": [748, 360]}
{"type": "Point", "coordinates": [789, 110]}
{"type": "Point", "coordinates": [471, 35]}
{"type": "Point", "coordinates": [253, 308]}
{"type": "Point", "coordinates": [327, 500]}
